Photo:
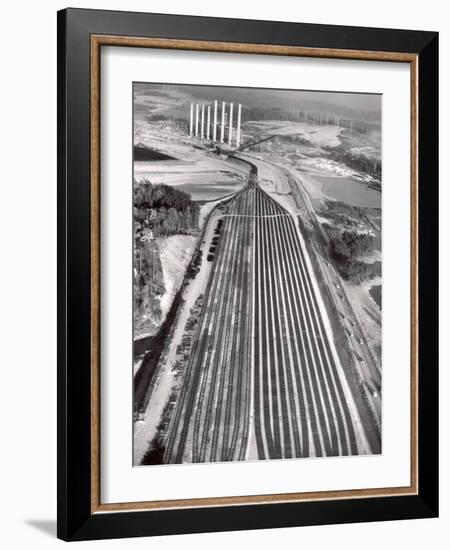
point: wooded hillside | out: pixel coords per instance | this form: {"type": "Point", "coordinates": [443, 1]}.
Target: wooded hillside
{"type": "Point", "coordinates": [164, 209]}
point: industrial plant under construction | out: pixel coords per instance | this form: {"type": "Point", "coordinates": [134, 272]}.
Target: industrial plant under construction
{"type": "Point", "coordinates": [257, 274]}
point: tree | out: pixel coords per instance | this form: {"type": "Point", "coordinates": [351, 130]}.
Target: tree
{"type": "Point", "coordinates": [164, 209]}
{"type": "Point", "coordinates": [165, 227]}
{"type": "Point", "coordinates": [172, 220]}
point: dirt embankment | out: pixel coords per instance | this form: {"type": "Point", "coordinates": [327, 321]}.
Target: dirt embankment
{"type": "Point", "coordinates": [148, 288]}
{"type": "Point", "coordinates": [160, 267]}
{"type": "Point", "coordinates": [145, 374]}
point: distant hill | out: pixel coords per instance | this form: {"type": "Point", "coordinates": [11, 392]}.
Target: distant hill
{"type": "Point", "coordinates": [284, 99]}
{"type": "Point", "coordinates": [324, 103]}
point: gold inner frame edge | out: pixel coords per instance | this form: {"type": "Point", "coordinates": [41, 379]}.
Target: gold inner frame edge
{"type": "Point", "coordinates": [97, 41]}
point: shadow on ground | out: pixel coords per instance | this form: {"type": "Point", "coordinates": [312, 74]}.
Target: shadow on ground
{"type": "Point", "coordinates": [47, 526]}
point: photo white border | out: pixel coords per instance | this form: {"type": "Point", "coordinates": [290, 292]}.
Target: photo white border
{"type": "Point", "coordinates": [120, 482]}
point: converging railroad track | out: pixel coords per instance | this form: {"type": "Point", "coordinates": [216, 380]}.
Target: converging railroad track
{"type": "Point", "coordinates": [263, 379]}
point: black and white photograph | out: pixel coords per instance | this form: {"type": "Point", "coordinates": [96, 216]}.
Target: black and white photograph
{"type": "Point", "coordinates": [257, 274]}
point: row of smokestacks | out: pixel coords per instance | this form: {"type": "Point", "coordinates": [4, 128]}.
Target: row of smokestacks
{"type": "Point", "coordinates": [207, 123]}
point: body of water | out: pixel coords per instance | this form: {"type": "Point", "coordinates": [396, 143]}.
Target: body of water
{"type": "Point", "coordinates": [375, 292]}
{"type": "Point", "coordinates": [350, 191]}
{"type": "Point", "coordinates": [377, 268]}
{"type": "Point", "coordinates": [205, 192]}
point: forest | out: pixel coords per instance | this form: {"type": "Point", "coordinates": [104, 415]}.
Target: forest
{"type": "Point", "coordinates": [164, 210]}
{"type": "Point", "coordinates": [345, 248]}
{"type": "Point", "coordinates": [159, 211]}
{"type": "Point", "coordinates": [347, 244]}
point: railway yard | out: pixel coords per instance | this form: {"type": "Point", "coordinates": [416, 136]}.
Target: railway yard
{"type": "Point", "coordinates": [261, 376]}
{"type": "Point", "coordinates": [272, 352]}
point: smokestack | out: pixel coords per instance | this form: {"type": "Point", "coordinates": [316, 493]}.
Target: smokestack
{"type": "Point", "coordinates": [203, 123]}
{"type": "Point", "coordinates": [215, 121]}
{"type": "Point", "coordinates": [230, 125]}
{"type": "Point", "coordinates": [222, 129]}
{"type": "Point", "coordinates": [191, 121]}
{"type": "Point", "coordinates": [238, 126]}
{"type": "Point", "coordinates": [208, 121]}
{"type": "Point", "coordinates": [196, 120]}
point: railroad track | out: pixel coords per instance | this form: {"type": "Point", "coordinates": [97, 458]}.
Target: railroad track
{"type": "Point", "coordinates": [196, 432]}
{"type": "Point", "coordinates": [296, 355]}
{"type": "Point", "coordinates": [263, 350]}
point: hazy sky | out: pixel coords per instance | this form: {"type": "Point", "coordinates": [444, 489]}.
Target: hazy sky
{"type": "Point", "coordinates": [365, 102]}
{"type": "Point", "coordinates": [331, 102]}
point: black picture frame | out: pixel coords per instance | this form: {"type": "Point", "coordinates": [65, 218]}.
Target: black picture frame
{"type": "Point", "coordinates": [76, 519]}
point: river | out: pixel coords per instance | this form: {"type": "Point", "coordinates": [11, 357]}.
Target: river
{"type": "Point", "coordinates": [350, 191]}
